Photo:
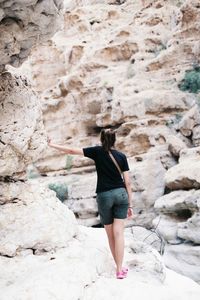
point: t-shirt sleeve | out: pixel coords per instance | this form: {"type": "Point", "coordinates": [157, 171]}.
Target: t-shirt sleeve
{"type": "Point", "coordinates": [125, 166]}
{"type": "Point", "coordinates": [90, 152]}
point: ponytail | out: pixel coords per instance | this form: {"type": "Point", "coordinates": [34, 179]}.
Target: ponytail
{"type": "Point", "coordinates": [107, 138]}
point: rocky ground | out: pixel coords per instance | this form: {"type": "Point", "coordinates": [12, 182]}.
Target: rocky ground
{"type": "Point", "coordinates": [84, 270]}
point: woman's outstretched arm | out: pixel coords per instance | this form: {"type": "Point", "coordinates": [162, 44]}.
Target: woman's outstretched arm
{"type": "Point", "coordinates": [67, 150]}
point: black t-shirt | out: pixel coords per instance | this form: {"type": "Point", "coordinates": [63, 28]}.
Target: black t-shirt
{"type": "Point", "coordinates": [108, 176]}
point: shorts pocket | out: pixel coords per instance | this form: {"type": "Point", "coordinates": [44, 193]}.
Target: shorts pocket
{"type": "Point", "coordinates": [125, 197]}
{"type": "Point", "coordinates": [122, 197]}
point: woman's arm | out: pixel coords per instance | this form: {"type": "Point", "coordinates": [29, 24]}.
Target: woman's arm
{"type": "Point", "coordinates": [127, 182]}
{"type": "Point", "coordinates": [67, 150]}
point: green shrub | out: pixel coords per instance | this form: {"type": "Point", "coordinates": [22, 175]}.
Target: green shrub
{"type": "Point", "coordinates": [69, 161]}
{"type": "Point", "coordinates": [179, 3]}
{"type": "Point", "coordinates": [61, 190]}
{"type": "Point", "coordinates": [32, 172]}
{"type": "Point", "coordinates": [174, 120]}
{"type": "Point", "coordinates": [191, 81]}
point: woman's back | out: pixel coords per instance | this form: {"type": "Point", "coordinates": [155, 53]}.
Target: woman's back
{"type": "Point", "coordinates": [108, 176]}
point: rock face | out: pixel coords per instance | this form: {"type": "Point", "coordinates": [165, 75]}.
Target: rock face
{"type": "Point", "coordinates": [186, 174]}
{"type": "Point", "coordinates": [106, 49]}
{"type": "Point", "coordinates": [23, 137]}
{"type": "Point", "coordinates": [22, 25]}
{"type": "Point", "coordinates": [180, 214]}
{"type": "Point", "coordinates": [32, 219]}
{"type": "Point", "coordinates": [180, 209]}
{"type": "Point", "coordinates": [184, 259]}
{"type": "Point", "coordinates": [190, 124]}
{"type": "Point", "coordinates": [147, 174]}
{"type": "Point", "coordinates": [120, 64]}
{"type": "Point", "coordinates": [102, 52]}
{"type": "Point", "coordinates": [81, 198]}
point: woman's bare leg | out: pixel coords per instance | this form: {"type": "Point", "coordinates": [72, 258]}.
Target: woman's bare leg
{"type": "Point", "coordinates": [110, 235]}
{"type": "Point", "coordinates": [118, 232]}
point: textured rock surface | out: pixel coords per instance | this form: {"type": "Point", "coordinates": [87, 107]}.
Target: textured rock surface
{"type": "Point", "coordinates": [167, 228]}
{"type": "Point", "coordinates": [146, 236]}
{"type": "Point", "coordinates": [179, 200]}
{"type": "Point", "coordinates": [103, 52]}
{"type": "Point", "coordinates": [31, 217]}
{"type": "Point", "coordinates": [115, 63]}
{"type": "Point", "coordinates": [106, 50]}
{"type": "Point", "coordinates": [178, 224]}
{"type": "Point", "coordinates": [23, 24]}
{"type": "Point", "coordinates": [184, 259]}
{"type": "Point", "coordinates": [179, 216]}
{"type": "Point", "coordinates": [147, 174]}
{"type": "Point", "coordinates": [175, 145]}
{"type": "Point", "coordinates": [86, 266]}
{"type": "Point", "coordinates": [186, 174]}
{"type": "Point", "coordinates": [189, 230]}
{"type": "Point", "coordinates": [22, 134]}
{"type": "Point", "coordinates": [190, 121]}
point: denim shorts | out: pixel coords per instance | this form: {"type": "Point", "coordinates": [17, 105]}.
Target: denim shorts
{"type": "Point", "coordinates": [112, 204]}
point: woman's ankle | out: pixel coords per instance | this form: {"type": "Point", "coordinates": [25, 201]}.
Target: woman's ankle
{"type": "Point", "coordinates": [119, 269]}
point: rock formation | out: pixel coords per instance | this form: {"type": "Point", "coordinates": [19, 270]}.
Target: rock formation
{"type": "Point", "coordinates": [23, 24]}
{"type": "Point", "coordinates": [113, 65]}
{"type": "Point", "coordinates": [180, 214]}
{"type": "Point", "coordinates": [84, 268]}
{"type": "Point", "coordinates": [25, 208]}
{"type": "Point", "coordinates": [23, 137]}
{"type": "Point", "coordinates": [33, 219]}
{"type": "Point", "coordinates": [98, 81]}
{"type": "Point", "coordinates": [121, 64]}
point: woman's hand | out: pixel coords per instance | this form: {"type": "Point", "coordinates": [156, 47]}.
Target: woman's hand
{"type": "Point", "coordinates": [49, 141]}
{"type": "Point", "coordinates": [130, 212]}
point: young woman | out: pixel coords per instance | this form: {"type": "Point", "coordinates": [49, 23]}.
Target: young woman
{"type": "Point", "coordinates": [114, 196]}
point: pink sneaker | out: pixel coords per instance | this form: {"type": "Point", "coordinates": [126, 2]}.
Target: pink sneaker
{"type": "Point", "coordinates": [120, 275]}
{"type": "Point", "coordinates": [125, 270]}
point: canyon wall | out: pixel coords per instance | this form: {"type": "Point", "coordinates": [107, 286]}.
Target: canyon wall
{"type": "Point", "coordinates": [114, 64]}
{"type": "Point", "coordinates": [29, 215]}
{"type": "Point", "coordinates": [124, 64]}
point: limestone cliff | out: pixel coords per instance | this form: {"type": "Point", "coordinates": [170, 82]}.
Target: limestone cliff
{"type": "Point", "coordinates": [115, 63]}
{"type": "Point", "coordinates": [24, 24]}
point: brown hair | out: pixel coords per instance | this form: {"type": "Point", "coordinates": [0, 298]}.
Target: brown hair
{"type": "Point", "coordinates": [108, 138]}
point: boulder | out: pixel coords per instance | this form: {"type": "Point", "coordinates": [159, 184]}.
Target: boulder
{"type": "Point", "coordinates": [186, 174]}
{"type": "Point", "coordinates": [190, 230]}
{"type": "Point", "coordinates": [184, 259]}
{"type": "Point", "coordinates": [190, 120]}
{"type": "Point", "coordinates": [179, 216]}
{"type": "Point", "coordinates": [178, 201]}
{"type": "Point", "coordinates": [31, 217]}
{"type": "Point", "coordinates": [175, 145]}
